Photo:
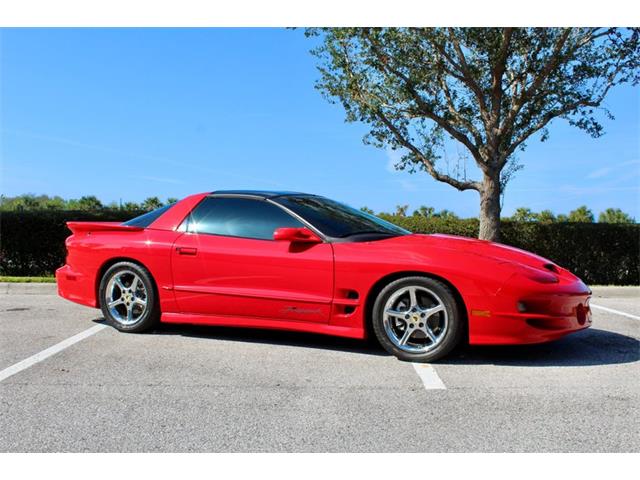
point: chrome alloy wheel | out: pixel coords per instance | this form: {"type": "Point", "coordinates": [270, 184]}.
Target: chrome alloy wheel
{"type": "Point", "coordinates": [126, 297]}
{"type": "Point", "coordinates": [415, 319]}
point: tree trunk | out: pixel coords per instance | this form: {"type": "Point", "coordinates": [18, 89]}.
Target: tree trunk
{"type": "Point", "coordinates": [490, 207]}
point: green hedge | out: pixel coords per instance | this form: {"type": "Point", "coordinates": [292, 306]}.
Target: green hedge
{"type": "Point", "coordinates": [32, 242]}
{"type": "Point", "coordinates": [599, 253]}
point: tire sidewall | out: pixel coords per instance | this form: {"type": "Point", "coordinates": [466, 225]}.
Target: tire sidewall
{"type": "Point", "coordinates": [455, 322]}
{"type": "Point", "coordinates": [150, 316]}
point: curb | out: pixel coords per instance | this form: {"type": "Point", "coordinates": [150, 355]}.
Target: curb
{"type": "Point", "coordinates": [8, 288]}
{"type": "Point", "coordinates": [613, 291]}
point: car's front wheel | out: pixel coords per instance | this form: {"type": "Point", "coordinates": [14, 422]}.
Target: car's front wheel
{"type": "Point", "coordinates": [127, 297]}
{"type": "Point", "coordinates": [417, 319]}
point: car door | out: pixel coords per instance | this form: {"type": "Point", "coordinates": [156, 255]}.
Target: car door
{"type": "Point", "coordinates": [227, 263]}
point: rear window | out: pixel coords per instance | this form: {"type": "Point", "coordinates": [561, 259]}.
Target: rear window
{"type": "Point", "coordinates": [148, 218]}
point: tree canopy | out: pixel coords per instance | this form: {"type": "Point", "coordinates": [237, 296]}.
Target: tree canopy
{"type": "Point", "coordinates": [86, 203]}
{"type": "Point", "coordinates": [615, 215]}
{"type": "Point", "coordinates": [488, 89]}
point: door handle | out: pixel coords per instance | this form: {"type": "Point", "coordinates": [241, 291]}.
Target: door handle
{"type": "Point", "coordinates": [187, 250]}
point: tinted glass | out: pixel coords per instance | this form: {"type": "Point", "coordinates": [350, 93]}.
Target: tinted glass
{"type": "Point", "coordinates": [336, 219]}
{"type": "Point", "coordinates": [147, 219]}
{"type": "Point", "coordinates": [239, 217]}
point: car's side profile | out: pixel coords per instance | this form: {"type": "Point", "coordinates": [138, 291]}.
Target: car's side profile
{"type": "Point", "coordinates": [303, 262]}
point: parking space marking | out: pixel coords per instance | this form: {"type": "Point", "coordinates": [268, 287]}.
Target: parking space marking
{"type": "Point", "coordinates": [44, 354]}
{"type": "Point", "coordinates": [611, 310]}
{"type": "Point", "coordinates": [429, 376]}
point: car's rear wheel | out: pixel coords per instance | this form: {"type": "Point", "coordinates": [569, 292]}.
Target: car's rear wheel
{"type": "Point", "coordinates": [128, 299]}
{"type": "Point", "coordinates": [417, 319]}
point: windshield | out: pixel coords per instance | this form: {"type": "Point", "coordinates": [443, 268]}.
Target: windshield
{"type": "Point", "coordinates": [337, 220]}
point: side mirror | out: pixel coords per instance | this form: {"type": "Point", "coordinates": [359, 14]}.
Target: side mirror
{"type": "Point", "coordinates": [296, 235]}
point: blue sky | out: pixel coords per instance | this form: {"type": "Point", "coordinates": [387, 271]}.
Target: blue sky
{"type": "Point", "coordinates": [127, 114]}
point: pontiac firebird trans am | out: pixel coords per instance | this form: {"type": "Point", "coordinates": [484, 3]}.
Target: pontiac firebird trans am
{"type": "Point", "coordinates": [302, 262]}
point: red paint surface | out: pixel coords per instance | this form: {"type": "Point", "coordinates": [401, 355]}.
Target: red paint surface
{"type": "Point", "coordinates": [324, 287]}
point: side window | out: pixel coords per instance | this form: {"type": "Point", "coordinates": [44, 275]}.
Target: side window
{"type": "Point", "coordinates": [238, 217]}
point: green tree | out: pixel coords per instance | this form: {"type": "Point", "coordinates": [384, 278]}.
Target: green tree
{"type": "Point", "coordinates": [151, 203]}
{"type": "Point", "coordinates": [446, 214]}
{"type": "Point", "coordinates": [401, 210]}
{"type": "Point", "coordinates": [523, 214]}
{"type": "Point", "coordinates": [89, 202]}
{"type": "Point", "coordinates": [546, 216]}
{"type": "Point", "coordinates": [22, 202]}
{"type": "Point", "coordinates": [131, 206]}
{"type": "Point", "coordinates": [581, 214]}
{"type": "Point", "coordinates": [55, 203]}
{"type": "Point", "coordinates": [424, 211]}
{"type": "Point", "coordinates": [32, 202]}
{"type": "Point", "coordinates": [367, 210]}
{"type": "Point", "coordinates": [171, 200]}
{"type": "Point", "coordinates": [615, 215]}
{"type": "Point", "coordinates": [488, 89]}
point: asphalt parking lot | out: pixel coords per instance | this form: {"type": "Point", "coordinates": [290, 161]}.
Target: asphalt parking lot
{"type": "Point", "coordinates": [222, 389]}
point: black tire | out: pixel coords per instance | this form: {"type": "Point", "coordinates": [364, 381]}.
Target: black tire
{"type": "Point", "coordinates": [451, 335]}
{"type": "Point", "coordinates": [149, 316]}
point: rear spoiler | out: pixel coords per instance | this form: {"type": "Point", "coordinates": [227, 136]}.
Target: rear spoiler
{"type": "Point", "coordinates": [101, 227]}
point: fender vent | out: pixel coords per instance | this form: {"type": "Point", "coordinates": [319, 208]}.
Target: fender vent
{"type": "Point", "coordinates": [551, 267]}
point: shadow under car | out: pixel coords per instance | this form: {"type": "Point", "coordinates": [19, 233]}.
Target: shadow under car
{"type": "Point", "coordinates": [584, 348]}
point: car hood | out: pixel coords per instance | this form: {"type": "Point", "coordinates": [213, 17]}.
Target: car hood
{"type": "Point", "coordinates": [472, 246]}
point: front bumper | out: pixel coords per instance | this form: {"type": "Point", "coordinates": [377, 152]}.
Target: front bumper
{"type": "Point", "coordinates": [540, 314]}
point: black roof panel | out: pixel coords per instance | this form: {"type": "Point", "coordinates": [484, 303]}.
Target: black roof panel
{"type": "Point", "coordinates": [256, 193]}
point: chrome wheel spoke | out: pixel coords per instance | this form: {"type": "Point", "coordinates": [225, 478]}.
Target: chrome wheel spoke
{"type": "Point", "coordinates": [119, 283]}
{"type": "Point", "coordinates": [134, 283]}
{"type": "Point", "coordinates": [115, 303]}
{"type": "Point", "coordinates": [396, 314]}
{"type": "Point", "coordinates": [413, 297]}
{"type": "Point", "coordinates": [434, 310]}
{"type": "Point", "coordinates": [140, 301]}
{"type": "Point", "coordinates": [429, 333]}
{"type": "Point", "coordinates": [406, 335]}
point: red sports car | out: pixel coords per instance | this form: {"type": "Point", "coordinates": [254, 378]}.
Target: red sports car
{"type": "Point", "coordinates": [303, 262]}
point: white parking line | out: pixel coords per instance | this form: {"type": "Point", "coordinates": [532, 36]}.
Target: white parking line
{"type": "Point", "coordinates": [429, 376]}
{"type": "Point", "coordinates": [611, 310]}
{"type": "Point", "coordinates": [44, 354]}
